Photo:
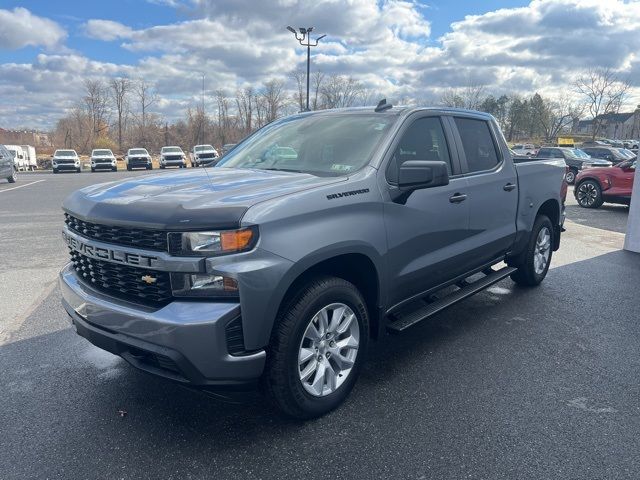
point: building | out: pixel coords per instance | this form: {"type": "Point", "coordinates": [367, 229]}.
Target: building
{"type": "Point", "coordinates": [24, 137]}
{"type": "Point", "coordinates": [613, 125]}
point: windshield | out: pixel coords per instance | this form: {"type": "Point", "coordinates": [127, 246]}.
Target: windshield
{"type": "Point", "coordinates": [102, 152]}
{"type": "Point", "coordinates": [577, 153]}
{"type": "Point", "coordinates": [171, 150]}
{"type": "Point", "coordinates": [627, 153]}
{"type": "Point", "coordinates": [316, 144]}
{"type": "Point", "coordinates": [203, 148]}
{"type": "Point", "coordinates": [65, 153]}
{"type": "Point", "coordinates": [138, 151]}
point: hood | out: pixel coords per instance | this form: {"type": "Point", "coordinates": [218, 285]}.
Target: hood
{"type": "Point", "coordinates": [197, 199]}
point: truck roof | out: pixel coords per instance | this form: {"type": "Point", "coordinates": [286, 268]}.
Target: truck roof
{"type": "Point", "coordinates": [400, 110]}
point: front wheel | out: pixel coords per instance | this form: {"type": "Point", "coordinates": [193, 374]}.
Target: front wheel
{"type": "Point", "coordinates": [571, 177]}
{"type": "Point", "coordinates": [78, 170]}
{"type": "Point", "coordinates": [13, 177]}
{"type": "Point", "coordinates": [589, 194]}
{"type": "Point", "coordinates": [537, 257]}
{"type": "Point", "coordinates": [317, 348]}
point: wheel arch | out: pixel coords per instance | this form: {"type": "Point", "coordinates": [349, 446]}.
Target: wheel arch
{"type": "Point", "coordinates": [356, 267]}
{"type": "Point", "coordinates": [551, 208]}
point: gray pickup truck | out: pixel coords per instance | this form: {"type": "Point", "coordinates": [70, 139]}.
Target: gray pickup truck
{"type": "Point", "coordinates": [316, 234]}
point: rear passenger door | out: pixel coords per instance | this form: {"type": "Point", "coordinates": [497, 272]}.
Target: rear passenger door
{"type": "Point", "coordinates": [492, 189]}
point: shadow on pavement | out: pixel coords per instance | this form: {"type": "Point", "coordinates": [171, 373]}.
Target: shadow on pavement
{"type": "Point", "coordinates": [607, 217]}
{"type": "Point", "coordinates": [512, 383]}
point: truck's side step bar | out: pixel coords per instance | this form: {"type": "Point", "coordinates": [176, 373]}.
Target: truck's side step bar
{"type": "Point", "coordinates": [422, 309]}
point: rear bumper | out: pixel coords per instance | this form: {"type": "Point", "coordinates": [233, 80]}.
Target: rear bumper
{"type": "Point", "coordinates": [183, 341]}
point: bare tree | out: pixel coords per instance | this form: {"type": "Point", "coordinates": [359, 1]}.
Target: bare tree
{"type": "Point", "coordinates": [299, 96]}
{"type": "Point", "coordinates": [317, 80]}
{"type": "Point", "coordinates": [274, 96]}
{"type": "Point", "coordinates": [120, 88]}
{"type": "Point", "coordinates": [146, 97]}
{"type": "Point", "coordinates": [553, 117]}
{"type": "Point", "coordinates": [340, 91]}
{"type": "Point", "coordinates": [604, 92]}
{"type": "Point", "coordinates": [469, 96]}
{"type": "Point", "coordinates": [245, 106]}
{"type": "Point", "coordinates": [96, 102]}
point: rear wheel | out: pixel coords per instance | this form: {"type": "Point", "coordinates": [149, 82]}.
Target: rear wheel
{"type": "Point", "coordinates": [13, 177]}
{"type": "Point", "coordinates": [317, 348]}
{"type": "Point", "coordinates": [589, 194]}
{"type": "Point", "coordinates": [537, 257]}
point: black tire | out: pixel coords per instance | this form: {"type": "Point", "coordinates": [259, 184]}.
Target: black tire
{"type": "Point", "coordinates": [571, 176]}
{"type": "Point", "coordinates": [589, 194]}
{"type": "Point", "coordinates": [149, 167]}
{"type": "Point", "coordinates": [162, 167]}
{"type": "Point", "coordinates": [114, 169]}
{"type": "Point", "coordinates": [526, 275]}
{"type": "Point", "coordinates": [13, 177]}
{"type": "Point", "coordinates": [78, 170]}
{"type": "Point", "coordinates": [93, 169]}
{"type": "Point", "coordinates": [55, 170]}
{"type": "Point", "coordinates": [281, 377]}
{"type": "Point", "coordinates": [128, 168]}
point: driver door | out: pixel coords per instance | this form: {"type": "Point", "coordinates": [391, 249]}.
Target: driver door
{"type": "Point", "coordinates": [426, 234]}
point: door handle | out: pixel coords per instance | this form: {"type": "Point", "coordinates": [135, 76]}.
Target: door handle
{"type": "Point", "coordinates": [508, 187]}
{"type": "Point", "coordinates": [457, 198]}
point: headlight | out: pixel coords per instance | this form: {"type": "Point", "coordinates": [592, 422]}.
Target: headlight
{"type": "Point", "coordinates": [77, 163]}
{"type": "Point", "coordinates": [54, 163]}
{"type": "Point", "coordinates": [213, 243]}
{"type": "Point", "coordinates": [203, 285]}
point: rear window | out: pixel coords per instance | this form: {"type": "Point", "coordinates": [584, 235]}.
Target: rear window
{"type": "Point", "coordinates": [477, 143]}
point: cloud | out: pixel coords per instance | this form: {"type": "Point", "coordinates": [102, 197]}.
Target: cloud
{"type": "Point", "coordinates": [386, 44]}
{"type": "Point", "coordinates": [106, 30]}
{"type": "Point", "coordinates": [19, 28]}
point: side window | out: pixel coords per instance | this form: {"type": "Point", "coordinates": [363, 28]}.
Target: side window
{"type": "Point", "coordinates": [477, 143]}
{"type": "Point", "coordinates": [423, 140]}
{"type": "Point", "coordinates": [544, 153]}
{"type": "Point", "coordinates": [557, 154]}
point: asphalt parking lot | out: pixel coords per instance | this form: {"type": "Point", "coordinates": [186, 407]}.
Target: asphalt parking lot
{"type": "Point", "coordinates": [511, 384]}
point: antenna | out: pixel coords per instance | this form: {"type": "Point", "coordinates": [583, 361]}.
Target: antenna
{"type": "Point", "coordinates": [383, 105]}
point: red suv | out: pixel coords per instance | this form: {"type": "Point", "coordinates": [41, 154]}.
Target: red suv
{"type": "Point", "coordinates": [594, 186]}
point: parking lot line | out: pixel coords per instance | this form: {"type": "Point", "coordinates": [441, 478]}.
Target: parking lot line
{"type": "Point", "coordinates": [20, 186]}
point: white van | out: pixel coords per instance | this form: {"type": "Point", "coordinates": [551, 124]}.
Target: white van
{"type": "Point", "coordinates": [30, 157]}
{"type": "Point", "coordinates": [18, 156]}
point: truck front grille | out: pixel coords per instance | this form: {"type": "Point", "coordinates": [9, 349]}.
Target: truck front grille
{"type": "Point", "coordinates": [123, 281]}
{"type": "Point", "coordinates": [173, 157]}
{"type": "Point", "coordinates": [130, 237]}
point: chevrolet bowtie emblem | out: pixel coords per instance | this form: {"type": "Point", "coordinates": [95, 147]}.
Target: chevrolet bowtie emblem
{"type": "Point", "coordinates": [148, 279]}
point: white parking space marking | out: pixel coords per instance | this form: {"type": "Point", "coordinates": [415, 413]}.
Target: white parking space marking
{"type": "Point", "coordinates": [20, 186]}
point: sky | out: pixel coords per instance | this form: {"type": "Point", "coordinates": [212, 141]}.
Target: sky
{"type": "Point", "coordinates": [397, 48]}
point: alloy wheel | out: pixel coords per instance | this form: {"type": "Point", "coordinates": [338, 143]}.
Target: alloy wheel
{"type": "Point", "coordinates": [328, 349]}
{"type": "Point", "coordinates": [587, 194]}
{"type": "Point", "coordinates": [542, 250]}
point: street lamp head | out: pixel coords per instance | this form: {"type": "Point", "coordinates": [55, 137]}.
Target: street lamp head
{"type": "Point", "coordinates": [291, 29]}
{"type": "Point", "coordinates": [309, 29]}
{"type": "Point", "coordinates": [320, 38]}
{"type": "Point", "coordinates": [303, 30]}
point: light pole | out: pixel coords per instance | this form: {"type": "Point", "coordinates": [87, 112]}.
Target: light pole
{"type": "Point", "coordinates": [203, 116]}
{"type": "Point", "coordinates": [305, 33]}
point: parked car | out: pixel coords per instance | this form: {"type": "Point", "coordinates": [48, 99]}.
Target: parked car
{"type": "Point", "coordinates": [631, 144]}
{"type": "Point", "coordinates": [575, 159]}
{"type": "Point", "coordinates": [18, 156]}
{"type": "Point", "coordinates": [279, 268]}
{"type": "Point", "coordinates": [103, 159]}
{"type": "Point", "coordinates": [138, 158]}
{"type": "Point", "coordinates": [172, 157]}
{"type": "Point", "coordinates": [203, 155]}
{"type": "Point", "coordinates": [595, 186]}
{"type": "Point", "coordinates": [612, 154]}
{"type": "Point", "coordinates": [227, 147]}
{"type": "Point", "coordinates": [65, 160]}
{"type": "Point", "coordinates": [30, 160]}
{"type": "Point", "coordinates": [8, 168]}
{"type": "Point", "coordinates": [526, 149]}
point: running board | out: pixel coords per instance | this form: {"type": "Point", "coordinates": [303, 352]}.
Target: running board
{"type": "Point", "coordinates": [408, 316]}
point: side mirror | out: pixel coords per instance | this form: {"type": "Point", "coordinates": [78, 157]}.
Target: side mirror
{"type": "Point", "coordinates": [419, 174]}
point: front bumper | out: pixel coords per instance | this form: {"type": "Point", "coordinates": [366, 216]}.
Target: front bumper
{"type": "Point", "coordinates": [66, 166]}
{"type": "Point", "coordinates": [184, 341]}
{"type": "Point", "coordinates": [104, 165]}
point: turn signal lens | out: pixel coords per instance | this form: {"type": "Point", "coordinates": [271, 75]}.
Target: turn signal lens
{"type": "Point", "coordinates": [236, 240]}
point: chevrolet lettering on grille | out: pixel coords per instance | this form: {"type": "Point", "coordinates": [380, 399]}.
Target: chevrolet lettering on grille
{"type": "Point", "coordinates": [102, 253]}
